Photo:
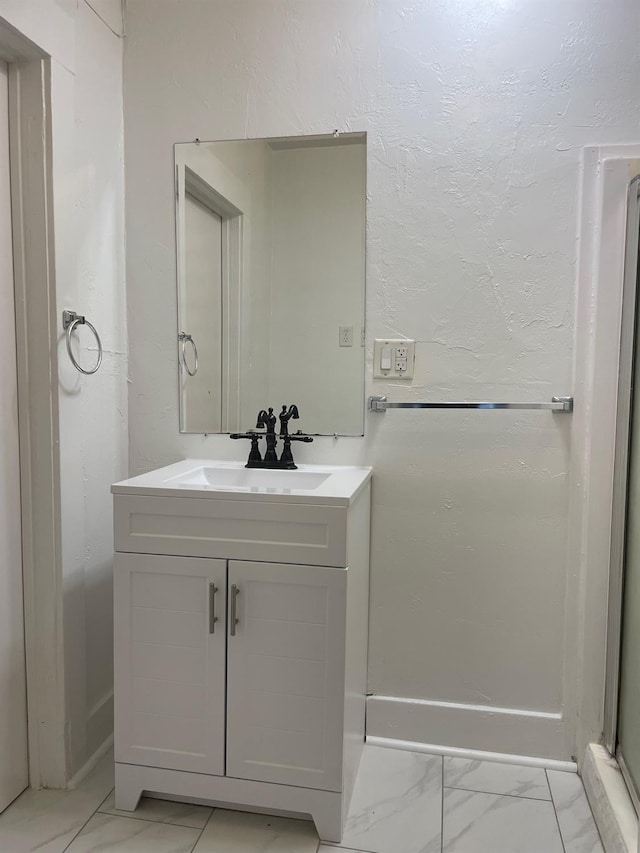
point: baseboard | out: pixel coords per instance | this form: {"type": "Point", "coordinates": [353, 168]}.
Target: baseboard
{"type": "Point", "coordinates": [475, 754]}
{"type": "Point", "coordinates": [99, 722]}
{"type": "Point", "coordinates": [91, 763]}
{"type": "Point", "coordinates": [472, 728]}
{"type": "Point", "coordinates": [610, 802]}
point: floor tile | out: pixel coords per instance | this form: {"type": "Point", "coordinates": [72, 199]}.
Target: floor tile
{"type": "Point", "coordinates": [111, 834]}
{"type": "Point", "coordinates": [494, 778]}
{"type": "Point", "coordinates": [328, 848]}
{"type": "Point", "coordinates": [577, 825]}
{"type": "Point", "coordinates": [161, 811]}
{"type": "Point", "coordinates": [490, 823]}
{"type": "Point", "coordinates": [396, 804]}
{"type": "Point", "coordinates": [242, 832]}
{"type": "Point", "coordinates": [47, 821]}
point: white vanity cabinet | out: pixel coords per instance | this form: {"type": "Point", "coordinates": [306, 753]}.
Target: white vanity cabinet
{"type": "Point", "coordinates": [241, 681]}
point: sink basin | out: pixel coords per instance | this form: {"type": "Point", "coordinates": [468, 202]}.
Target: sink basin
{"type": "Point", "coordinates": [330, 485]}
{"type": "Point", "coordinates": [250, 479]}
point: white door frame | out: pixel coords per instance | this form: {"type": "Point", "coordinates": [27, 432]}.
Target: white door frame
{"type": "Point", "coordinates": [606, 173]}
{"type": "Point", "coordinates": [32, 202]}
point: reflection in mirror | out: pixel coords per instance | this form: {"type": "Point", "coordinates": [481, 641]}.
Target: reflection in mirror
{"type": "Point", "coordinates": [271, 257]}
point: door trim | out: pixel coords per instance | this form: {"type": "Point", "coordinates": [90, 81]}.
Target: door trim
{"type": "Point", "coordinates": [604, 180]}
{"type": "Point", "coordinates": [36, 339]}
{"type": "Point", "coordinates": [628, 370]}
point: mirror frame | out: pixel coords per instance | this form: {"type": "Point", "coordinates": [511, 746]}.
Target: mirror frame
{"type": "Point", "coordinates": [188, 181]}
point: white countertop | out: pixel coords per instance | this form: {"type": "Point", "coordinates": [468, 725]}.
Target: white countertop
{"type": "Point", "coordinates": [211, 479]}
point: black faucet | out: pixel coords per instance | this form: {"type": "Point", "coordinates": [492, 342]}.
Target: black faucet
{"type": "Point", "coordinates": [266, 419]}
{"type": "Point", "coordinates": [285, 416]}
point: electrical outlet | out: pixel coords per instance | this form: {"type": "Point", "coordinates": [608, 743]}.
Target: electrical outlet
{"type": "Point", "coordinates": [393, 359]}
{"type": "Point", "coordinates": [401, 365]}
{"type": "Point", "coordinates": [362, 336]}
{"type": "Point", "coordinates": [345, 336]}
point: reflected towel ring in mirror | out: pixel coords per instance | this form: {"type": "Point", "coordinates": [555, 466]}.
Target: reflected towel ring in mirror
{"type": "Point", "coordinates": [70, 319]}
{"type": "Point", "coordinates": [183, 337]}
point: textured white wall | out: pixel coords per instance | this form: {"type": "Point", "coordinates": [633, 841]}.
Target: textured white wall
{"type": "Point", "coordinates": [476, 114]}
{"type": "Point", "coordinates": [88, 199]}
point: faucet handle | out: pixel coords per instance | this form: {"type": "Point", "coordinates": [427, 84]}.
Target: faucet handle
{"type": "Point", "coordinates": [299, 436]}
{"type": "Point", "coordinates": [254, 454]}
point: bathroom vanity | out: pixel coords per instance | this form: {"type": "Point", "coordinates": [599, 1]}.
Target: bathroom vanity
{"type": "Point", "coordinates": [241, 612]}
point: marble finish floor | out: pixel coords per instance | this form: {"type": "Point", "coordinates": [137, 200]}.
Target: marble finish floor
{"type": "Point", "coordinates": [404, 802]}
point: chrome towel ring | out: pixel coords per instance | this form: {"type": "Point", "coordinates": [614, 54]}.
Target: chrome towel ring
{"type": "Point", "coordinates": [183, 337]}
{"type": "Point", "coordinates": [70, 319]}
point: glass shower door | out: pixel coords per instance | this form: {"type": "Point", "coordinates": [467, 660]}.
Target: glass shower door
{"type": "Point", "coordinates": [627, 740]}
{"type": "Point", "coordinates": [628, 746]}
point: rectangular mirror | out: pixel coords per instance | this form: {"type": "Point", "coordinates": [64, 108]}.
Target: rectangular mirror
{"type": "Point", "coordinates": [271, 278]}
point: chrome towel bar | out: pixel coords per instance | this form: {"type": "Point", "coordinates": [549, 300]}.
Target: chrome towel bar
{"type": "Point", "coordinates": [557, 404]}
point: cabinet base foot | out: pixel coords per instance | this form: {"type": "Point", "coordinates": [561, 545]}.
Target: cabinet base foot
{"type": "Point", "coordinates": [127, 795]}
{"type": "Point", "coordinates": [325, 808]}
{"type": "Point", "coordinates": [328, 823]}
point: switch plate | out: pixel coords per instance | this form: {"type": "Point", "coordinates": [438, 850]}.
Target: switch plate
{"type": "Point", "coordinates": [393, 359]}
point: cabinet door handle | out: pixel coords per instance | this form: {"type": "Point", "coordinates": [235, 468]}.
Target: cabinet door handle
{"type": "Point", "coordinates": [235, 592]}
{"type": "Point", "coordinates": [212, 608]}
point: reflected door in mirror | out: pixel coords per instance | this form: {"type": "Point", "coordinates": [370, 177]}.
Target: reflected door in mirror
{"type": "Point", "coordinates": [201, 392]}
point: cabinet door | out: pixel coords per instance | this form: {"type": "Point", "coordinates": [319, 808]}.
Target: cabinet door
{"type": "Point", "coordinates": [285, 676]}
{"type": "Point", "coordinates": [170, 659]}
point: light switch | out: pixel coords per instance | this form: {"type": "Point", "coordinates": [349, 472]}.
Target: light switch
{"type": "Point", "coordinates": [393, 359]}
